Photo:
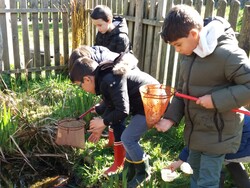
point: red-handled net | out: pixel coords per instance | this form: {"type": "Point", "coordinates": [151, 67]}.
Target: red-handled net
{"type": "Point", "coordinates": [155, 98]}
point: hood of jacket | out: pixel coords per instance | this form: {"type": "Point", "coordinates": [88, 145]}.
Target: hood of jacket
{"type": "Point", "coordinates": [101, 54]}
{"type": "Point", "coordinates": [120, 25]}
{"type": "Point", "coordinates": [121, 64]}
{"type": "Point", "coordinates": [119, 67]}
{"type": "Point", "coordinates": [217, 30]}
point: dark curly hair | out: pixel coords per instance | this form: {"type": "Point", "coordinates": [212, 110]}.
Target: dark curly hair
{"type": "Point", "coordinates": [179, 21]}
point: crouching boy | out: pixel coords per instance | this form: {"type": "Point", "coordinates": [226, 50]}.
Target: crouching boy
{"type": "Point", "coordinates": [118, 84]}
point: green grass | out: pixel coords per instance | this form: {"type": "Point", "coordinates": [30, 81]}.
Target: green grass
{"type": "Point", "coordinates": [162, 148]}
{"type": "Point", "coordinates": [37, 105]}
{"type": "Point", "coordinates": [8, 126]}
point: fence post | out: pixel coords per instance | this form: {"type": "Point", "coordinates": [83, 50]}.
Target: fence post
{"type": "Point", "coordinates": [233, 14]}
{"type": "Point", "coordinates": [209, 8]}
{"type": "Point", "coordinates": [244, 38]}
{"type": "Point", "coordinates": [1, 49]}
{"type": "Point", "coordinates": [138, 29]}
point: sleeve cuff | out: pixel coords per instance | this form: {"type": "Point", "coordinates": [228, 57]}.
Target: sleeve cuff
{"type": "Point", "coordinates": [106, 122]}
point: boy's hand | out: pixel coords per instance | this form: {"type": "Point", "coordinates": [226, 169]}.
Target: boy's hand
{"type": "Point", "coordinates": [163, 125]}
{"type": "Point", "coordinates": [96, 128]}
{"type": "Point", "coordinates": [94, 137]}
{"type": "Point", "coordinates": [174, 165]}
{"type": "Point", "coordinates": [205, 101]}
{"type": "Point", "coordinates": [96, 125]}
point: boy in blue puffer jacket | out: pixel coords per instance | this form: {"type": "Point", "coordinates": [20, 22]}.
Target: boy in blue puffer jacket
{"type": "Point", "coordinates": [97, 53]}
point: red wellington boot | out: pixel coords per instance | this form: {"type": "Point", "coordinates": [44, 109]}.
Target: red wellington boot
{"type": "Point", "coordinates": [111, 139]}
{"type": "Point", "coordinates": [119, 156]}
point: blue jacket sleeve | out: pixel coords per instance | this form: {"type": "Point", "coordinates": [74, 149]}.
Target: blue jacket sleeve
{"type": "Point", "coordinates": [184, 154]}
{"type": "Point", "coordinates": [244, 149]}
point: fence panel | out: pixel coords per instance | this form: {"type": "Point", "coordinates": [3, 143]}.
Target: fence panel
{"type": "Point", "coordinates": [25, 35]}
{"type": "Point", "coordinates": [209, 8]}
{"type": "Point", "coordinates": [149, 37]}
{"type": "Point", "coordinates": [1, 48]}
{"type": "Point", "coordinates": [139, 4]}
{"type": "Point", "coordinates": [234, 12]}
{"type": "Point", "coordinates": [65, 30]}
{"type": "Point", "coordinates": [15, 37]}
{"type": "Point", "coordinates": [40, 14]}
{"type": "Point", "coordinates": [244, 38]}
{"type": "Point", "coordinates": [29, 44]}
{"type": "Point", "coordinates": [131, 13]}
{"type": "Point", "coordinates": [91, 31]}
{"type": "Point", "coordinates": [157, 46]}
{"type": "Point", "coordinates": [5, 58]}
{"type": "Point", "coordinates": [41, 30]}
{"type": "Point", "coordinates": [46, 36]}
{"type": "Point", "coordinates": [221, 10]}
{"type": "Point", "coordinates": [198, 5]}
{"type": "Point", "coordinates": [56, 35]}
{"type": "Point", "coordinates": [36, 38]}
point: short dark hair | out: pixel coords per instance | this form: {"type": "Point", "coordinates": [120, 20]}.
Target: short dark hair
{"type": "Point", "coordinates": [81, 51]}
{"type": "Point", "coordinates": [179, 21]}
{"type": "Point", "coordinates": [83, 66]}
{"type": "Point", "coordinates": [102, 12]}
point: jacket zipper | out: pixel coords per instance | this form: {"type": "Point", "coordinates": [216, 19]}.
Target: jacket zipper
{"type": "Point", "coordinates": [217, 118]}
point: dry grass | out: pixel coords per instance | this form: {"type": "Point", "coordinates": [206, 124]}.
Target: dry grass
{"type": "Point", "coordinates": [79, 23]}
{"type": "Point", "coordinates": [28, 151]}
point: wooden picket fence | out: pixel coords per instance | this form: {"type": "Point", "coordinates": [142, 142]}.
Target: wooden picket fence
{"type": "Point", "coordinates": [50, 4]}
{"type": "Point", "coordinates": [144, 18]}
{"type": "Point", "coordinates": [45, 48]}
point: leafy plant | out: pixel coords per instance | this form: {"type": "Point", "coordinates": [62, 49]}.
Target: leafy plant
{"type": "Point", "coordinates": [29, 113]}
{"type": "Point", "coordinates": [8, 126]}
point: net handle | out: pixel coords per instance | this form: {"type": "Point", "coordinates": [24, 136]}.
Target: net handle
{"type": "Point", "coordinates": [195, 99]}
